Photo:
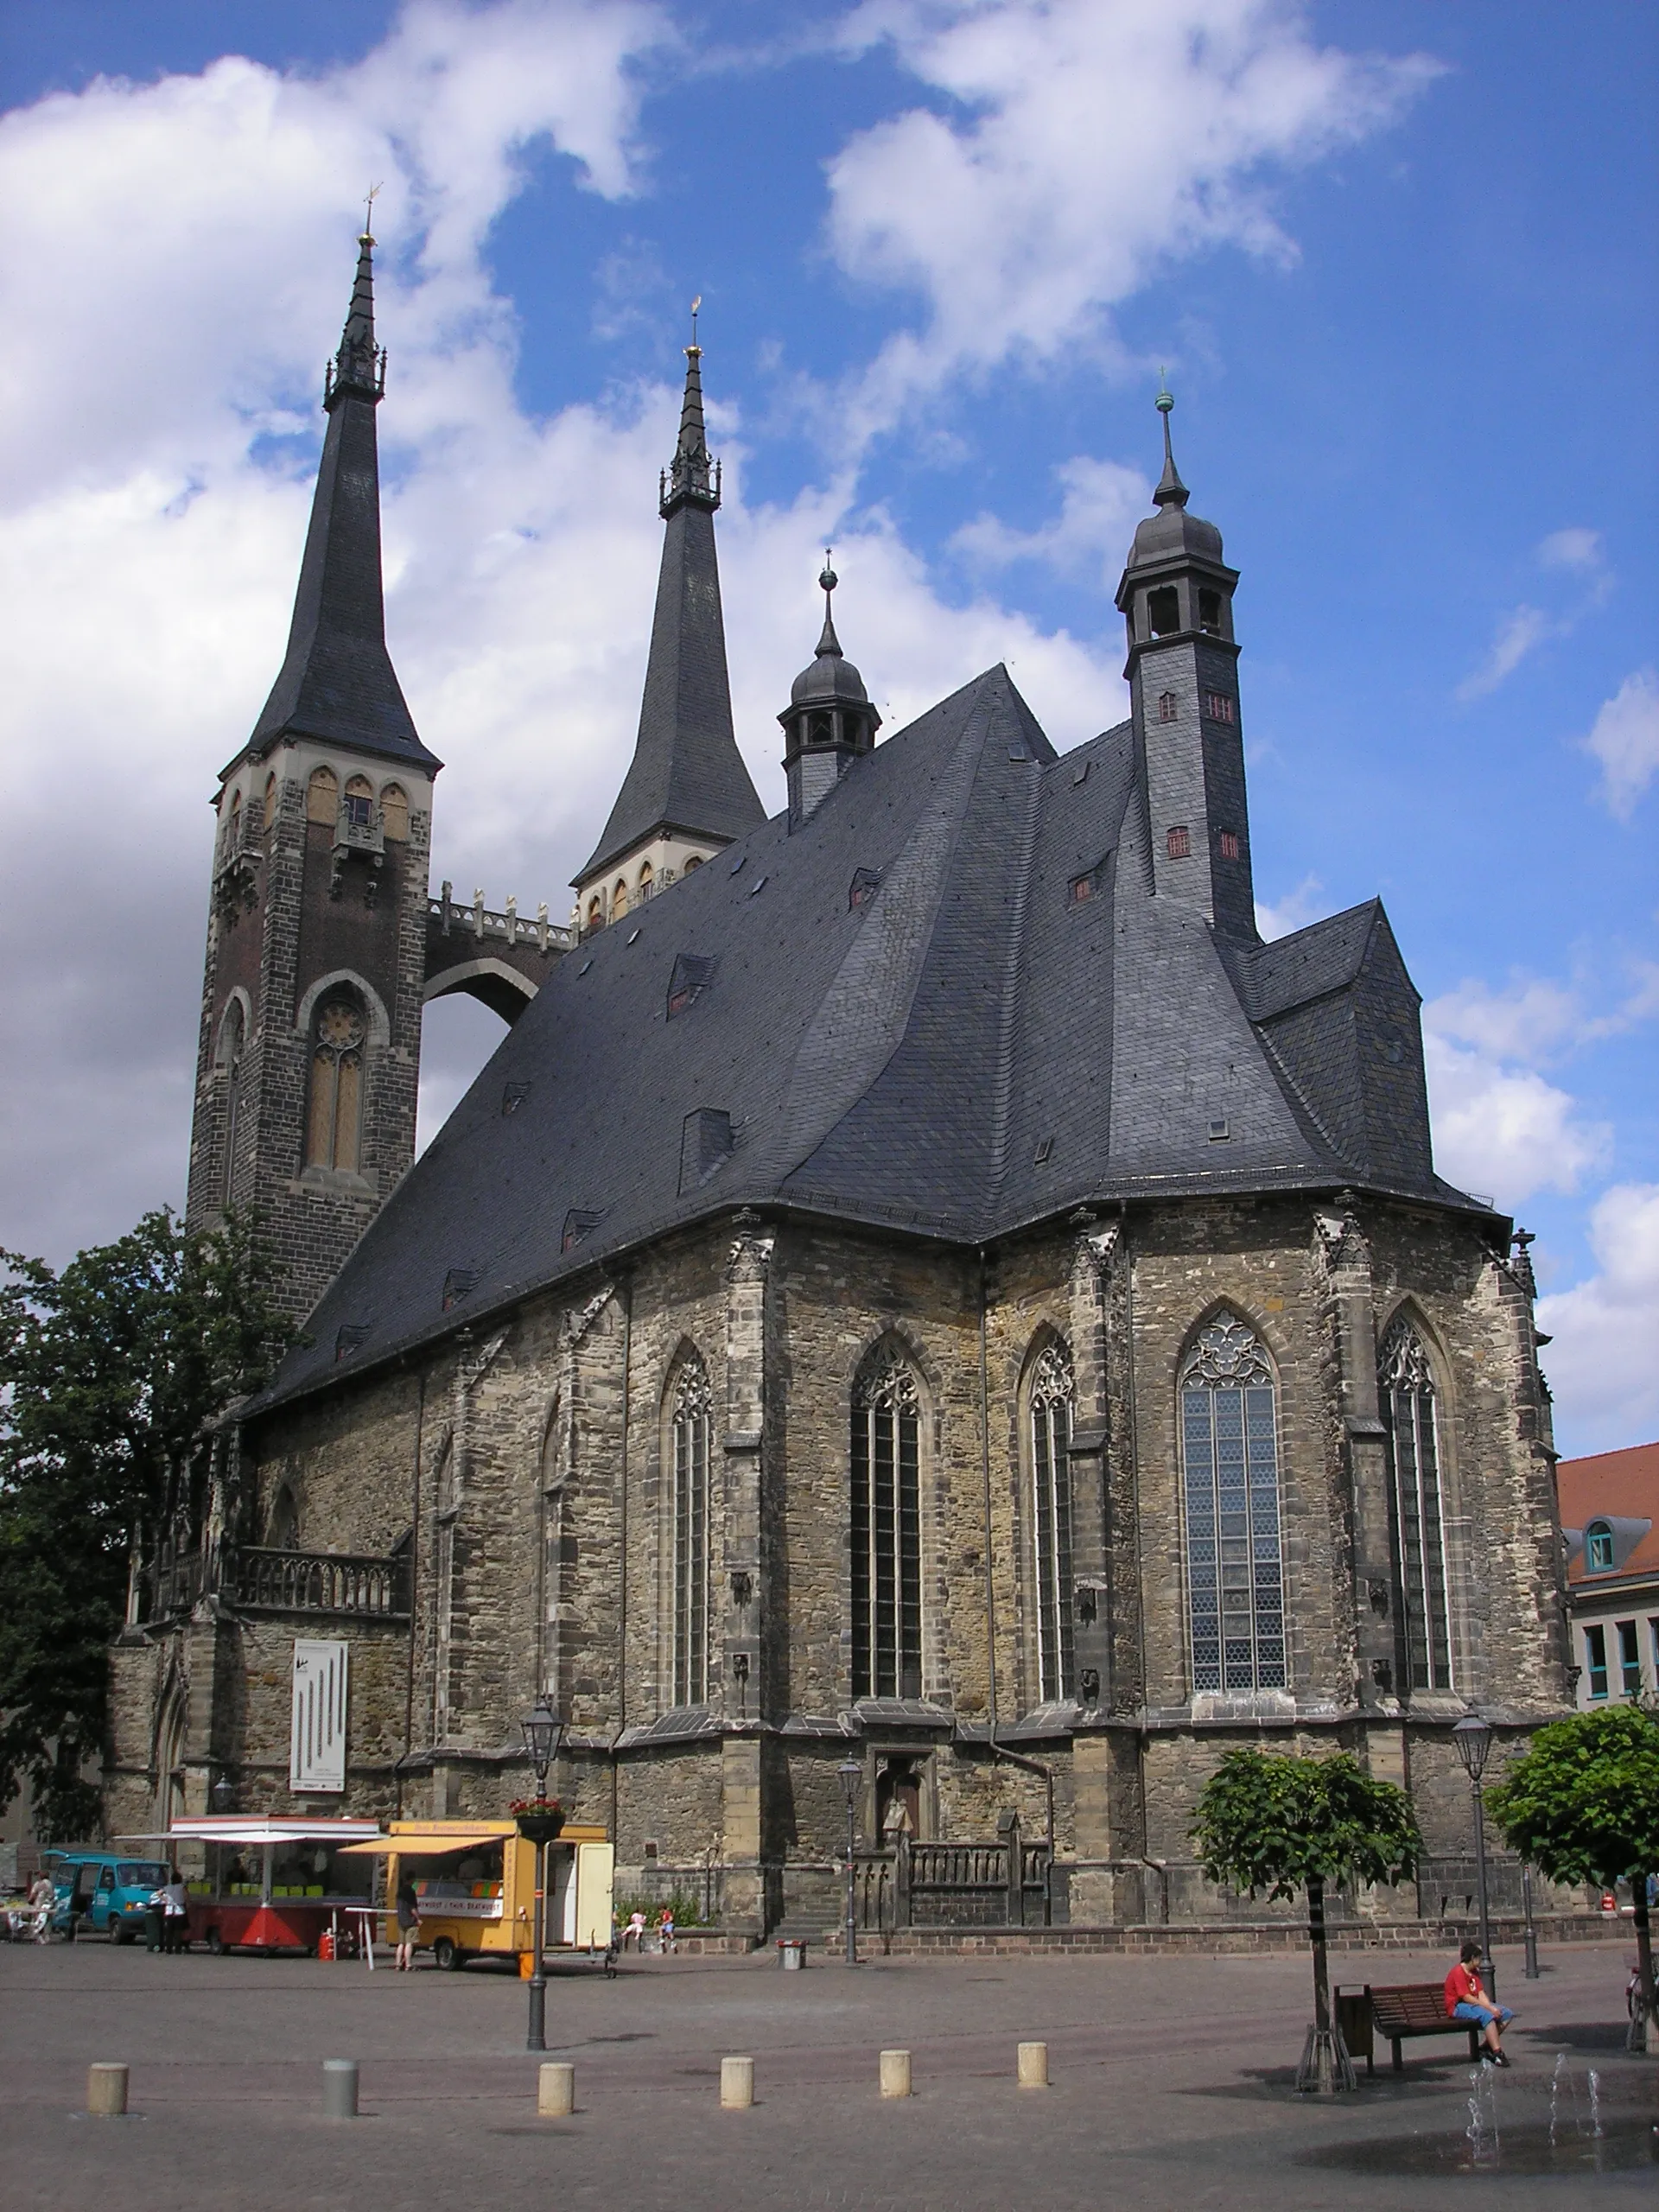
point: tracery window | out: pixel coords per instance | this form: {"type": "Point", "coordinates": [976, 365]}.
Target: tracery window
{"type": "Point", "coordinates": [1230, 1452]}
{"type": "Point", "coordinates": [334, 1124]}
{"type": "Point", "coordinates": [886, 1527]}
{"type": "Point", "coordinates": [1050, 1522]}
{"type": "Point", "coordinates": [692, 1425]}
{"type": "Point", "coordinates": [1416, 1533]}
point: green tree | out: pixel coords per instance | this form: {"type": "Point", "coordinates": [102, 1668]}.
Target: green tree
{"type": "Point", "coordinates": [1582, 1802]}
{"type": "Point", "coordinates": [109, 1374]}
{"type": "Point", "coordinates": [1282, 1823]}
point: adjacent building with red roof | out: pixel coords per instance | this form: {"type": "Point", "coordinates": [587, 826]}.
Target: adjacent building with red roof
{"type": "Point", "coordinates": [1610, 1523]}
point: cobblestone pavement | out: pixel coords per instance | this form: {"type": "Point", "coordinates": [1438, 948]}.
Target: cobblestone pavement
{"type": "Point", "coordinates": [1171, 2088]}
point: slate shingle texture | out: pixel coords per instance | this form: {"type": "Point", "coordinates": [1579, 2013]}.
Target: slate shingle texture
{"type": "Point", "coordinates": [902, 1061]}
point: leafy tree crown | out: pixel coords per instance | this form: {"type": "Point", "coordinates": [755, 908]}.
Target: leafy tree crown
{"type": "Point", "coordinates": [1582, 1800]}
{"type": "Point", "coordinates": [1277, 1821]}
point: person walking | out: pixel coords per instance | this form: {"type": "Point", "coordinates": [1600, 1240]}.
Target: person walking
{"type": "Point", "coordinates": [409, 1923]}
{"type": "Point", "coordinates": [176, 1912]}
{"type": "Point", "coordinates": [1466, 2000]}
{"type": "Point", "coordinates": [42, 1902]}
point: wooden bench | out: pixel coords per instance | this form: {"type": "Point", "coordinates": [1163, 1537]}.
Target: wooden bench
{"type": "Point", "coordinates": [1396, 2011]}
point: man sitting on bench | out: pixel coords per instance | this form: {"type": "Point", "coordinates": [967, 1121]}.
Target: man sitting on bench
{"type": "Point", "coordinates": [1466, 2000]}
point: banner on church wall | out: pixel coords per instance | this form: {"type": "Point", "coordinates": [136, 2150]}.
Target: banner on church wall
{"type": "Point", "coordinates": [317, 1756]}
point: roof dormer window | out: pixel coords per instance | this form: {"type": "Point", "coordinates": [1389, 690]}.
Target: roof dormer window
{"type": "Point", "coordinates": [1599, 1548]}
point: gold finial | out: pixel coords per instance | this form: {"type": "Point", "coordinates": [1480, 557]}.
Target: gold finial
{"type": "Point", "coordinates": [694, 351]}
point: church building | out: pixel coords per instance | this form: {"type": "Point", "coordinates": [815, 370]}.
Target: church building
{"type": "Point", "coordinates": [921, 1289]}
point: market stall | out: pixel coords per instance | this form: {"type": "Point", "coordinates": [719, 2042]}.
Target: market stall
{"type": "Point", "coordinates": [274, 1885]}
{"type": "Point", "coordinates": [475, 1886]}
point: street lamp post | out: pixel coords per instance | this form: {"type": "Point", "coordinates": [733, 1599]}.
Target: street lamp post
{"type": "Point", "coordinates": [852, 1774]}
{"type": "Point", "coordinates": [543, 1730]}
{"type": "Point", "coordinates": [1473, 1738]}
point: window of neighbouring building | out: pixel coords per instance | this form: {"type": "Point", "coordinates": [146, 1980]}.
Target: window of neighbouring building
{"type": "Point", "coordinates": [1630, 1659]}
{"type": "Point", "coordinates": [1595, 1660]}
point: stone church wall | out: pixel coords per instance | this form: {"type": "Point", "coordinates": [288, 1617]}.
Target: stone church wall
{"type": "Point", "coordinates": [524, 1461]}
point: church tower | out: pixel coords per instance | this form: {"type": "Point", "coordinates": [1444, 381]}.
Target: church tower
{"type": "Point", "coordinates": [687, 793]}
{"type": "Point", "coordinates": [1177, 599]}
{"type": "Point", "coordinates": [309, 1046]}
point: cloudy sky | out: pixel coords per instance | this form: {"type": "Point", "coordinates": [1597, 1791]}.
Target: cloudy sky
{"type": "Point", "coordinates": [1399, 260]}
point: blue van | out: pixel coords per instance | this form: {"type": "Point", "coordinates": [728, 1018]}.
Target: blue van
{"type": "Point", "coordinates": [101, 1890]}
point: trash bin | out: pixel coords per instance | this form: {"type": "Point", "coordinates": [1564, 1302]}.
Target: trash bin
{"type": "Point", "coordinates": [792, 1956]}
{"type": "Point", "coordinates": [152, 1928]}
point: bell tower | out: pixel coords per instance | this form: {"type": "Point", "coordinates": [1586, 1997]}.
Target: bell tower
{"type": "Point", "coordinates": [309, 1045]}
{"type": "Point", "coordinates": [1176, 600]}
{"type": "Point", "coordinates": [830, 721]}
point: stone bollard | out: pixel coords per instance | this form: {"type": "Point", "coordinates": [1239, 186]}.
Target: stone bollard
{"type": "Point", "coordinates": [106, 2091]}
{"type": "Point", "coordinates": [737, 2083]}
{"type": "Point", "coordinates": [895, 2073]}
{"type": "Point", "coordinates": [556, 2090]}
{"type": "Point", "coordinates": [1034, 2065]}
{"type": "Point", "coordinates": [339, 2089]}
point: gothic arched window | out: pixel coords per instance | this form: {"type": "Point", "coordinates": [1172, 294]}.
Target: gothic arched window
{"type": "Point", "coordinates": [1421, 1634]}
{"type": "Point", "coordinates": [647, 880]}
{"type": "Point", "coordinates": [334, 1124]}
{"type": "Point", "coordinates": [618, 900]}
{"type": "Point", "coordinates": [692, 1425]}
{"type": "Point", "coordinates": [1229, 1455]}
{"type": "Point", "coordinates": [394, 811]}
{"type": "Point", "coordinates": [886, 1527]}
{"type": "Point", "coordinates": [231, 1040]}
{"type": "Point", "coordinates": [270, 800]}
{"type": "Point", "coordinates": [1050, 1520]}
{"type": "Point", "coordinates": [323, 796]}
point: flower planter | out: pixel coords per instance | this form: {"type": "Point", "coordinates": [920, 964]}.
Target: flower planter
{"type": "Point", "coordinates": [541, 1827]}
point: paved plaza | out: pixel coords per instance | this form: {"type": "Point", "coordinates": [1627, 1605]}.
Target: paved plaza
{"type": "Point", "coordinates": [1170, 2088]}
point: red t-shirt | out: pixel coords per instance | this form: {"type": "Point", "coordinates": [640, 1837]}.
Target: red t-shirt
{"type": "Point", "coordinates": [1462, 1987]}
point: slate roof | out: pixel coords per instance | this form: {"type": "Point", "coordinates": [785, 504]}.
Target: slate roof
{"type": "Point", "coordinates": [337, 682]}
{"type": "Point", "coordinates": [978, 1046]}
{"type": "Point", "coordinates": [687, 773]}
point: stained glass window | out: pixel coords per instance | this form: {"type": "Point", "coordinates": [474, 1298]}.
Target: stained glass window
{"type": "Point", "coordinates": [1416, 1535]}
{"type": "Point", "coordinates": [886, 1528]}
{"type": "Point", "coordinates": [1051, 1516]}
{"type": "Point", "coordinates": [1230, 1452]}
{"type": "Point", "coordinates": [691, 1426]}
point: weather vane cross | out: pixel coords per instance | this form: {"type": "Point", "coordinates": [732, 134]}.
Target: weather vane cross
{"type": "Point", "coordinates": [368, 210]}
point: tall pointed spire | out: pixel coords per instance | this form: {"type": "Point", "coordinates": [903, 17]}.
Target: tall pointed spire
{"type": "Point", "coordinates": [337, 682]}
{"type": "Point", "coordinates": [687, 778]}
{"type": "Point", "coordinates": [1171, 492]}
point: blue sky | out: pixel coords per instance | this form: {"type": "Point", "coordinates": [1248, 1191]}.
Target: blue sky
{"type": "Point", "coordinates": [1400, 262]}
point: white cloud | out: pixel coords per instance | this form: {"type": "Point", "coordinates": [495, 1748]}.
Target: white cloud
{"type": "Point", "coordinates": [1601, 1364]}
{"type": "Point", "coordinates": [1625, 739]}
{"type": "Point", "coordinates": [149, 543]}
{"type": "Point", "coordinates": [1075, 147]}
{"type": "Point", "coordinates": [1534, 1019]}
{"type": "Point", "coordinates": [1502, 1130]}
{"type": "Point", "coordinates": [1518, 633]}
{"type": "Point", "coordinates": [1294, 912]}
{"type": "Point", "coordinates": [1101, 503]}
{"type": "Point", "coordinates": [1575, 548]}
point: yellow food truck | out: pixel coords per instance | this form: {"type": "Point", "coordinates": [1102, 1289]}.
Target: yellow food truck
{"type": "Point", "coordinates": [475, 1883]}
